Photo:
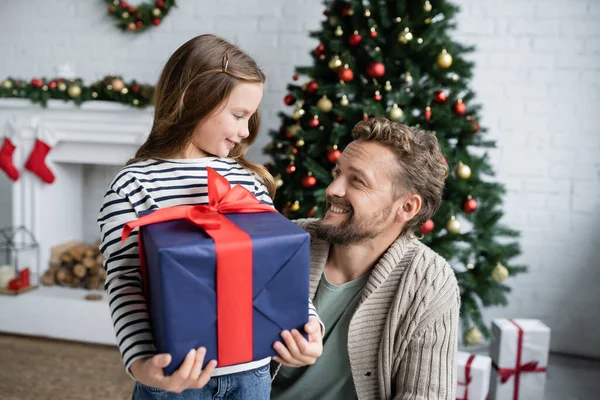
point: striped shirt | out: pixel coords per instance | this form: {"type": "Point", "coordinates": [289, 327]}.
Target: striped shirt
{"type": "Point", "coordinates": [149, 185]}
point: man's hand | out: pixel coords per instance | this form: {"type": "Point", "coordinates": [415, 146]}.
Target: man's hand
{"type": "Point", "coordinates": [190, 375]}
{"type": "Point", "coordinates": [297, 351]}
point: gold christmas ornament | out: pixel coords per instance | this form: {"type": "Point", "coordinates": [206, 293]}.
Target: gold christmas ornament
{"type": "Point", "coordinates": [444, 59]}
{"type": "Point", "coordinates": [298, 113]}
{"type": "Point", "coordinates": [131, 26]}
{"type": "Point", "coordinates": [335, 63]}
{"type": "Point", "coordinates": [278, 181]}
{"type": "Point", "coordinates": [367, 13]}
{"type": "Point", "coordinates": [470, 266]}
{"type": "Point", "coordinates": [156, 12]}
{"type": "Point", "coordinates": [395, 113]}
{"type": "Point", "coordinates": [405, 36]}
{"type": "Point", "coordinates": [125, 90]}
{"type": "Point", "coordinates": [339, 31]}
{"type": "Point", "coordinates": [474, 336]}
{"type": "Point", "coordinates": [455, 77]}
{"type": "Point", "coordinates": [62, 86]}
{"type": "Point", "coordinates": [324, 104]}
{"type": "Point", "coordinates": [420, 40]}
{"type": "Point", "coordinates": [499, 273]}
{"type": "Point", "coordinates": [117, 84]}
{"type": "Point", "coordinates": [463, 171]}
{"type": "Point", "coordinates": [74, 91]}
{"type": "Point", "coordinates": [6, 84]}
{"type": "Point", "coordinates": [300, 143]}
{"type": "Point", "coordinates": [293, 130]}
{"type": "Point", "coordinates": [408, 77]}
{"type": "Point", "coordinates": [453, 225]}
{"type": "Point", "coordinates": [344, 101]}
{"type": "Point", "coordinates": [94, 94]}
{"type": "Point", "coordinates": [427, 6]}
{"type": "Point", "coordinates": [295, 207]}
{"type": "Point", "coordinates": [388, 86]}
{"type": "Point", "coordinates": [398, 19]}
{"type": "Point", "coordinates": [135, 102]}
{"type": "Point", "coordinates": [125, 15]}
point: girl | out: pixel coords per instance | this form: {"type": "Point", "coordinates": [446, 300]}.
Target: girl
{"type": "Point", "coordinates": [206, 114]}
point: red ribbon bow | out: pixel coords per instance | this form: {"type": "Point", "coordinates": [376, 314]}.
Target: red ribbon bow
{"type": "Point", "coordinates": [234, 260]}
{"type": "Point", "coordinates": [468, 377]}
{"type": "Point", "coordinates": [507, 373]}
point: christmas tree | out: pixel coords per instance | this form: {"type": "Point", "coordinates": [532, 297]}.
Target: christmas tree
{"type": "Point", "coordinates": [397, 59]}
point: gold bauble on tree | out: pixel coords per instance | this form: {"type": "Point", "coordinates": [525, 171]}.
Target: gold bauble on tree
{"type": "Point", "coordinates": [293, 130]}
{"type": "Point", "coordinates": [117, 84]}
{"type": "Point", "coordinates": [388, 86]}
{"type": "Point", "coordinates": [335, 63]}
{"type": "Point", "coordinates": [463, 171]}
{"type": "Point", "coordinates": [324, 104]}
{"type": "Point", "coordinates": [453, 225]}
{"type": "Point", "coordinates": [339, 31]}
{"type": "Point", "coordinates": [278, 181]}
{"type": "Point", "coordinates": [444, 59]}
{"type": "Point", "coordinates": [6, 84]}
{"type": "Point", "coordinates": [395, 113]}
{"type": "Point", "coordinates": [427, 6]}
{"type": "Point", "coordinates": [473, 336]}
{"type": "Point", "coordinates": [499, 273]}
{"type": "Point", "coordinates": [298, 113]}
{"type": "Point", "coordinates": [344, 101]}
{"type": "Point", "coordinates": [74, 91]}
{"type": "Point", "coordinates": [408, 77]}
{"type": "Point", "coordinates": [405, 36]}
{"type": "Point", "coordinates": [296, 206]}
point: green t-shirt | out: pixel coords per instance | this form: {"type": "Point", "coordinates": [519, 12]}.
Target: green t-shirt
{"type": "Point", "coordinates": [330, 378]}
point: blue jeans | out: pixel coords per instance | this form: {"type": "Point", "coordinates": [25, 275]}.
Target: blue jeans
{"type": "Point", "coordinates": [254, 384]}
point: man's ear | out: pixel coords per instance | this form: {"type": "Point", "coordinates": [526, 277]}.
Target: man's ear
{"type": "Point", "coordinates": [410, 206]}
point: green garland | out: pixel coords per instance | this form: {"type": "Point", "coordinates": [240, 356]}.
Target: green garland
{"type": "Point", "coordinates": [110, 88]}
{"type": "Point", "coordinates": [138, 19]}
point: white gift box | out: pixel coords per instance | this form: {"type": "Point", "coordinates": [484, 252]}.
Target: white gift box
{"type": "Point", "coordinates": [519, 352]}
{"type": "Point", "coordinates": [473, 376]}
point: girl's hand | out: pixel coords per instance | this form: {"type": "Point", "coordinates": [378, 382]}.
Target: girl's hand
{"type": "Point", "coordinates": [297, 351]}
{"type": "Point", "coordinates": [190, 375]}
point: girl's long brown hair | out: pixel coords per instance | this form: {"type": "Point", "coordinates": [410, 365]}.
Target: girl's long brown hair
{"type": "Point", "coordinates": [197, 79]}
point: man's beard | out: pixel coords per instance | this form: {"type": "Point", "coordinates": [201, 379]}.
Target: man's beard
{"type": "Point", "coordinates": [353, 229]}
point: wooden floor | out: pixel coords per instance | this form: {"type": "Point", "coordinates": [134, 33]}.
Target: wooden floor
{"type": "Point", "coordinates": [36, 368]}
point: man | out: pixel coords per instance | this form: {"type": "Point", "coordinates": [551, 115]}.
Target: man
{"type": "Point", "coordinates": [389, 304]}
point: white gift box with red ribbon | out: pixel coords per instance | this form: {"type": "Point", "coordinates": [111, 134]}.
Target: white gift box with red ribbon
{"type": "Point", "coordinates": [473, 376]}
{"type": "Point", "coordinates": [519, 352]}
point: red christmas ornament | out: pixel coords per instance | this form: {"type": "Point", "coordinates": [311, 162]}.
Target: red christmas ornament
{"type": "Point", "coordinates": [346, 11]}
{"type": "Point", "coordinates": [469, 205]}
{"type": "Point", "coordinates": [346, 74]}
{"type": "Point", "coordinates": [289, 100]}
{"type": "Point", "coordinates": [311, 87]}
{"type": "Point", "coordinates": [131, 9]}
{"type": "Point", "coordinates": [314, 122]}
{"type": "Point", "coordinates": [124, 4]}
{"type": "Point", "coordinates": [289, 135]}
{"type": "Point", "coordinates": [312, 212]}
{"type": "Point", "coordinates": [339, 118]}
{"type": "Point", "coordinates": [139, 24]}
{"type": "Point", "coordinates": [376, 70]}
{"type": "Point", "coordinates": [354, 39]}
{"type": "Point", "coordinates": [320, 49]}
{"type": "Point", "coordinates": [309, 181]}
{"type": "Point", "coordinates": [290, 169]}
{"type": "Point", "coordinates": [135, 88]}
{"type": "Point", "coordinates": [377, 96]}
{"type": "Point", "coordinates": [156, 22]}
{"type": "Point", "coordinates": [295, 77]}
{"type": "Point", "coordinates": [427, 227]}
{"type": "Point", "coordinates": [440, 96]}
{"type": "Point", "coordinates": [325, 12]}
{"type": "Point", "coordinates": [37, 83]}
{"type": "Point", "coordinates": [52, 85]}
{"type": "Point", "coordinates": [460, 108]}
{"type": "Point", "coordinates": [160, 3]}
{"type": "Point", "coordinates": [373, 34]}
{"type": "Point", "coordinates": [427, 113]}
{"type": "Point", "coordinates": [333, 155]}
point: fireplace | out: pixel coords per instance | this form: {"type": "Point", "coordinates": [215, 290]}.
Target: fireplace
{"type": "Point", "coordinates": [91, 143]}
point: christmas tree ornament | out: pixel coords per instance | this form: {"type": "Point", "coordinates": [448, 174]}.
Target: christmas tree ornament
{"type": "Point", "coordinates": [74, 91]}
{"type": "Point", "coordinates": [298, 113]}
{"type": "Point", "coordinates": [440, 97]}
{"type": "Point", "coordinates": [36, 83]}
{"type": "Point", "coordinates": [453, 225]}
{"type": "Point", "coordinates": [405, 36]}
{"type": "Point", "coordinates": [427, 227]}
{"type": "Point", "coordinates": [420, 40]}
{"type": "Point", "coordinates": [427, 6]}
{"type": "Point", "coordinates": [354, 39]}
{"type": "Point", "coordinates": [339, 31]}
{"type": "Point", "coordinates": [460, 108]}
{"type": "Point", "coordinates": [278, 181]}
{"type": "Point", "coordinates": [499, 273]}
{"type": "Point", "coordinates": [346, 74]}
{"type": "Point", "coordinates": [473, 336]}
{"type": "Point", "coordinates": [444, 59]}
{"type": "Point", "coordinates": [324, 104]}
{"type": "Point", "coordinates": [470, 205]}
{"type": "Point", "coordinates": [320, 49]}
{"type": "Point", "coordinates": [124, 90]}
{"type": "Point", "coordinates": [314, 122]}
{"type": "Point", "coordinates": [455, 77]}
{"type": "Point", "coordinates": [377, 96]}
{"type": "Point", "coordinates": [388, 86]}
{"type": "Point", "coordinates": [408, 77]}
{"type": "Point", "coordinates": [427, 113]}
{"type": "Point", "coordinates": [296, 206]}
{"type": "Point", "coordinates": [344, 101]}
{"type": "Point", "coordinates": [332, 20]}
{"type": "Point", "coordinates": [335, 63]}
{"type": "Point", "coordinates": [117, 84]}
{"type": "Point", "coordinates": [300, 143]}
{"type": "Point", "coordinates": [289, 100]}
{"type": "Point", "coordinates": [7, 84]}
{"type": "Point", "coordinates": [309, 181]}
{"type": "Point", "coordinates": [395, 113]}
{"type": "Point", "coordinates": [347, 11]}
{"type": "Point", "coordinates": [156, 12]}
{"type": "Point", "coordinates": [293, 130]}
{"type": "Point", "coordinates": [373, 33]}
{"type": "Point", "coordinates": [470, 266]}
{"type": "Point", "coordinates": [311, 87]}
{"type": "Point", "coordinates": [62, 86]}
{"type": "Point", "coordinates": [290, 169]}
{"type": "Point", "coordinates": [295, 77]}
{"type": "Point", "coordinates": [333, 154]}
{"type": "Point", "coordinates": [376, 70]}
{"type": "Point", "coordinates": [367, 13]}
{"type": "Point", "coordinates": [463, 171]}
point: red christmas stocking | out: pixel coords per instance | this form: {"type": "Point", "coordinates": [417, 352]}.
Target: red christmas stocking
{"type": "Point", "coordinates": [6, 161]}
{"type": "Point", "coordinates": [36, 162]}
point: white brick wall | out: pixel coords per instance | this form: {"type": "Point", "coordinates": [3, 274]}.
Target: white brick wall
{"type": "Point", "coordinates": [537, 75]}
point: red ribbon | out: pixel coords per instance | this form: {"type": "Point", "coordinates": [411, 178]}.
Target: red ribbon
{"type": "Point", "coordinates": [234, 260]}
{"type": "Point", "coordinates": [507, 373]}
{"type": "Point", "coordinates": [467, 377]}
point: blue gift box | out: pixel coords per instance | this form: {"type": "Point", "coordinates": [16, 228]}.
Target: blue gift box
{"type": "Point", "coordinates": [181, 279]}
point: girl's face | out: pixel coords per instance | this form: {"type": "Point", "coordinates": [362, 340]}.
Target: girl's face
{"type": "Point", "coordinates": [218, 134]}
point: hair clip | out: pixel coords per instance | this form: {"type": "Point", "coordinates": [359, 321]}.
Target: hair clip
{"type": "Point", "coordinates": [225, 62]}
